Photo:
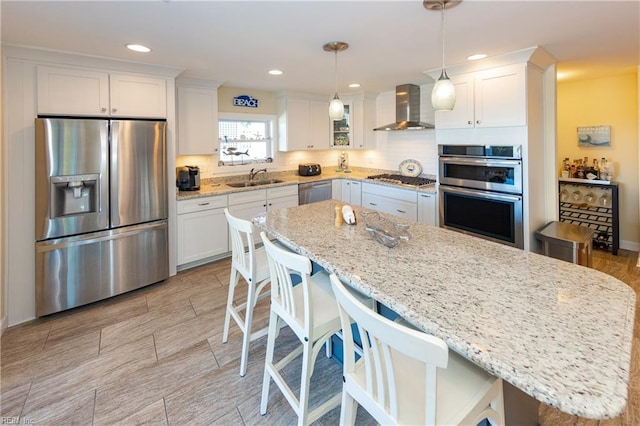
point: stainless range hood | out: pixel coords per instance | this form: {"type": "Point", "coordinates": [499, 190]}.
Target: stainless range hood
{"type": "Point", "coordinates": [407, 110]}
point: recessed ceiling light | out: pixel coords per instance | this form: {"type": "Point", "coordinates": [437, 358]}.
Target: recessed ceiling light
{"type": "Point", "coordinates": [138, 48]}
{"type": "Point", "coordinates": [354, 85]}
{"type": "Point", "coordinates": [477, 56]}
{"type": "Point", "coordinates": [276, 72]}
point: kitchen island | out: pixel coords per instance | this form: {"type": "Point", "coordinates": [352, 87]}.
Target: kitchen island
{"type": "Point", "coordinates": [559, 332]}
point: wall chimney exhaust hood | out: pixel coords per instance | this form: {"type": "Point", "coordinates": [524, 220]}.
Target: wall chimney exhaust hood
{"type": "Point", "coordinates": [407, 110]}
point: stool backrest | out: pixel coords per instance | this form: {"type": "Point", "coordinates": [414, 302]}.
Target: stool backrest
{"type": "Point", "coordinates": [381, 338]}
{"type": "Point", "coordinates": [283, 264]}
{"type": "Point", "coordinates": [242, 245]}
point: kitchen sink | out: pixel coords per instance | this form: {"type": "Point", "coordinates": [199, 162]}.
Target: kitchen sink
{"type": "Point", "coordinates": [253, 183]}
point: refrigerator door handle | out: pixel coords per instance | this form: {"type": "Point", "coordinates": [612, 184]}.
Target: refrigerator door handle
{"type": "Point", "coordinates": [114, 134]}
{"type": "Point", "coordinates": [58, 243]}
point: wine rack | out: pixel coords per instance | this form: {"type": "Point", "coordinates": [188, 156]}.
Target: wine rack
{"type": "Point", "coordinates": [593, 204]}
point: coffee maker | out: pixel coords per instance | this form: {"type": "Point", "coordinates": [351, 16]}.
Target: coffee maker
{"type": "Point", "coordinates": [188, 178]}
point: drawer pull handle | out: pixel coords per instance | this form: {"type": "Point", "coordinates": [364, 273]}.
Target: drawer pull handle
{"type": "Point", "coordinates": [203, 204]}
{"type": "Point", "coordinates": [401, 211]}
{"type": "Point", "coordinates": [372, 204]}
{"type": "Point", "coordinates": [425, 196]}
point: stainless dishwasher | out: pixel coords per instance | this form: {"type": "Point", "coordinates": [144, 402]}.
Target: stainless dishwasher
{"type": "Point", "coordinates": [314, 191]}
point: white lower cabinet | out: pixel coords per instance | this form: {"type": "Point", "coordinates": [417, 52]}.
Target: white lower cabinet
{"type": "Point", "coordinates": [282, 197]}
{"type": "Point", "coordinates": [202, 229]}
{"type": "Point", "coordinates": [352, 192]}
{"type": "Point", "coordinates": [395, 201]}
{"type": "Point", "coordinates": [249, 204]}
{"type": "Point", "coordinates": [428, 208]}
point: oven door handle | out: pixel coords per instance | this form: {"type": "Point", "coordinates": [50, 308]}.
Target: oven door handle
{"type": "Point", "coordinates": [480, 161]}
{"type": "Point", "coordinates": [482, 194]}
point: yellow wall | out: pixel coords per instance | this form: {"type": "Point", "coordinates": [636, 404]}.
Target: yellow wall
{"type": "Point", "coordinates": [266, 105]}
{"type": "Point", "coordinates": [609, 101]}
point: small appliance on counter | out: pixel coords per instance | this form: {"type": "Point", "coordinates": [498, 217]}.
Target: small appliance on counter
{"type": "Point", "coordinates": [309, 169]}
{"type": "Point", "coordinates": [188, 178]}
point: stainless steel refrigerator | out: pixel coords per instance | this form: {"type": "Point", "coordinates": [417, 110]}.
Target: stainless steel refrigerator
{"type": "Point", "coordinates": [101, 209]}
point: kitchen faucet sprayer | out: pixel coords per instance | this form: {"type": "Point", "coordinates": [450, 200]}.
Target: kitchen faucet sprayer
{"type": "Point", "coordinates": [252, 174]}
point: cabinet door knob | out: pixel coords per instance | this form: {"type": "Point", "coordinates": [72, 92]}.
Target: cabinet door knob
{"type": "Point", "coordinates": [114, 109]}
{"type": "Point", "coordinates": [469, 122]}
{"type": "Point", "coordinates": [477, 121]}
{"type": "Point", "coordinates": [103, 109]}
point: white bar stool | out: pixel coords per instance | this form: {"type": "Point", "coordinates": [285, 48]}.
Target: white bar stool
{"type": "Point", "coordinates": [409, 377]}
{"type": "Point", "coordinates": [250, 263]}
{"type": "Point", "coordinates": [310, 310]}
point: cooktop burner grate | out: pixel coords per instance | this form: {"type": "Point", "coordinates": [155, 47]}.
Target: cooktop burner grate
{"type": "Point", "coordinates": [406, 180]}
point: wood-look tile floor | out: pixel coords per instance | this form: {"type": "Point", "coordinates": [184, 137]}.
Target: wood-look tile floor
{"type": "Point", "coordinates": [155, 356]}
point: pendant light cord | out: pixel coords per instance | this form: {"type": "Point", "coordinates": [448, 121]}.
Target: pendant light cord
{"type": "Point", "coordinates": [336, 71]}
{"type": "Point", "coordinates": [443, 6]}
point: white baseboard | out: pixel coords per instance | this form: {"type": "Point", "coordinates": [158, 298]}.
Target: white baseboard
{"type": "Point", "coordinates": [630, 245]}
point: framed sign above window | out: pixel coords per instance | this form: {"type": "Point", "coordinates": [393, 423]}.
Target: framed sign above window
{"type": "Point", "coordinates": [594, 136]}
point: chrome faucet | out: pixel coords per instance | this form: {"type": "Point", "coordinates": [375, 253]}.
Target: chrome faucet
{"type": "Point", "coordinates": [252, 174]}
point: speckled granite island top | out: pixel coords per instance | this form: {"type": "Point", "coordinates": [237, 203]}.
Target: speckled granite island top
{"type": "Point", "coordinates": [559, 332]}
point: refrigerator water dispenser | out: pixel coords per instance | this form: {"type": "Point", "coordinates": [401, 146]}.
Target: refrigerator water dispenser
{"type": "Point", "coordinates": [71, 195]}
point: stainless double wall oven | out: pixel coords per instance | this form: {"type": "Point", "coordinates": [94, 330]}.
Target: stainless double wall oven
{"type": "Point", "coordinates": [481, 191]}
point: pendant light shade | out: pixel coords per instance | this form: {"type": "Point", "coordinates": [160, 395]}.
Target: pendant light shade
{"type": "Point", "coordinates": [443, 96]}
{"type": "Point", "coordinates": [336, 107]}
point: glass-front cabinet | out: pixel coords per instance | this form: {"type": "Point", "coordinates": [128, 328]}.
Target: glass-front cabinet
{"type": "Point", "coordinates": [341, 130]}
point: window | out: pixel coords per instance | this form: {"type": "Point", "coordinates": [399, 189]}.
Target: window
{"type": "Point", "coordinates": [245, 140]}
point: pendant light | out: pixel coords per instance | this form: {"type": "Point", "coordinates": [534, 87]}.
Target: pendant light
{"type": "Point", "coordinates": [336, 107]}
{"type": "Point", "coordinates": [443, 96]}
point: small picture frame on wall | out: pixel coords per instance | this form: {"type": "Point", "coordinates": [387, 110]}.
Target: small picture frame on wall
{"type": "Point", "coordinates": [594, 136]}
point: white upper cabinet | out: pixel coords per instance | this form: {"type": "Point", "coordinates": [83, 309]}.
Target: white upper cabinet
{"type": "Point", "coordinates": [342, 130]}
{"type": "Point", "coordinates": [72, 91]}
{"type": "Point", "coordinates": [363, 121]}
{"type": "Point", "coordinates": [197, 119]}
{"type": "Point", "coordinates": [355, 130]}
{"type": "Point", "coordinates": [319, 117]}
{"type": "Point", "coordinates": [75, 91]}
{"type": "Point", "coordinates": [303, 124]}
{"type": "Point", "coordinates": [491, 98]}
{"type": "Point", "coordinates": [138, 96]}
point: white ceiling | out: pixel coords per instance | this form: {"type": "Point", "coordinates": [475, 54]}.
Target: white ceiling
{"type": "Point", "coordinates": [391, 42]}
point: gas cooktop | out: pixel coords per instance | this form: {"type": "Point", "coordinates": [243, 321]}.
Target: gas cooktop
{"type": "Point", "coordinates": [405, 180]}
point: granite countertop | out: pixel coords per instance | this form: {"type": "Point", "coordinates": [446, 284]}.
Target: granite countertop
{"type": "Point", "coordinates": [560, 332]}
{"type": "Point", "coordinates": [217, 186]}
